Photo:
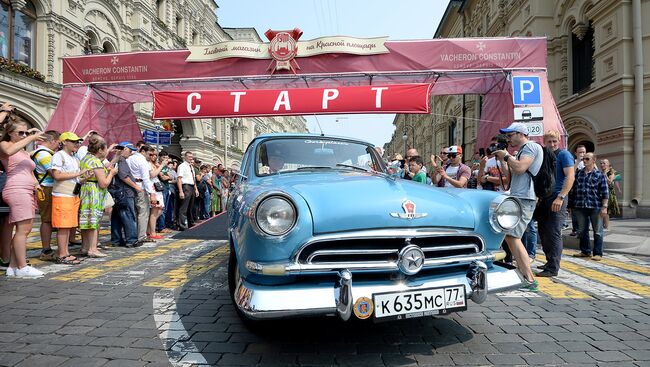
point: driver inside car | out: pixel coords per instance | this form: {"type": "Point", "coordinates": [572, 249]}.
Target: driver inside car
{"type": "Point", "coordinates": [274, 162]}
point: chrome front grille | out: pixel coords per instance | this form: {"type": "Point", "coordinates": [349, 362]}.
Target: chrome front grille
{"type": "Point", "coordinates": [349, 251]}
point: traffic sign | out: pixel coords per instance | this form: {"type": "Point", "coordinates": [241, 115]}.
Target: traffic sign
{"type": "Point", "coordinates": [526, 90]}
{"type": "Point", "coordinates": [157, 137]}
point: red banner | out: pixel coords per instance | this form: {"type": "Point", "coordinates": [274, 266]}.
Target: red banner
{"type": "Point", "coordinates": [404, 56]}
{"type": "Point", "coordinates": [401, 98]}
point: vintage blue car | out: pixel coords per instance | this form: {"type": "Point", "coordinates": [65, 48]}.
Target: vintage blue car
{"type": "Point", "coordinates": [318, 227]}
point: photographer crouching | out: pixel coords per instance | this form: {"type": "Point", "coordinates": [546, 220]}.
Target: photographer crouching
{"type": "Point", "coordinates": [529, 159]}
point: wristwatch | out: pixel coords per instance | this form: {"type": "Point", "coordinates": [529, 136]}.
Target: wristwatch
{"type": "Point", "coordinates": [506, 157]}
{"type": "Point", "coordinates": [561, 197]}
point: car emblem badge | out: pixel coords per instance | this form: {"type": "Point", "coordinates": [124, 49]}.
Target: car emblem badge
{"type": "Point", "coordinates": [409, 211]}
{"type": "Point", "coordinates": [363, 308]}
{"type": "Point", "coordinates": [410, 260]}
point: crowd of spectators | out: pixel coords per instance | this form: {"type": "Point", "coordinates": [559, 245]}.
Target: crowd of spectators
{"type": "Point", "coordinates": [75, 181]}
{"type": "Point", "coordinates": [579, 191]}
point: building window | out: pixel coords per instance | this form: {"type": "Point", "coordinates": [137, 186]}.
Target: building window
{"type": "Point", "coordinates": [17, 32]}
{"type": "Point", "coordinates": [234, 136]}
{"type": "Point", "coordinates": [452, 132]}
{"type": "Point", "coordinates": [195, 38]}
{"type": "Point", "coordinates": [160, 9]}
{"type": "Point", "coordinates": [582, 49]}
{"type": "Point", "coordinates": [179, 26]}
{"type": "Point", "coordinates": [108, 48]}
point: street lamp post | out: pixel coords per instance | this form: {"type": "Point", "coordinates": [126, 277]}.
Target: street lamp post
{"type": "Point", "coordinates": [405, 136]}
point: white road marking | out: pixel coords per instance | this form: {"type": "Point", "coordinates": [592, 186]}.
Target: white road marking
{"type": "Point", "coordinates": [623, 273]}
{"type": "Point", "coordinates": [182, 351]}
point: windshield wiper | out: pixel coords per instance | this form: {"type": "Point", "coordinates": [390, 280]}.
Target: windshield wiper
{"type": "Point", "coordinates": [352, 166]}
{"type": "Point", "coordinates": [312, 167]}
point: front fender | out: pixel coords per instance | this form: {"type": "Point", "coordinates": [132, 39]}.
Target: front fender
{"type": "Point", "coordinates": [250, 245]}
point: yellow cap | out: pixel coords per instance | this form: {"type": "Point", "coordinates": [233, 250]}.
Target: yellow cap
{"type": "Point", "coordinates": [69, 136]}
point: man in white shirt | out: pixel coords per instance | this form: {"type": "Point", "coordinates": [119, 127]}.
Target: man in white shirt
{"type": "Point", "coordinates": [140, 168]}
{"type": "Point", "coordinates": [187, 191]}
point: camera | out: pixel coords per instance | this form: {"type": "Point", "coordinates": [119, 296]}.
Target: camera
{"type": "Point", "coordinates": [500, 145]}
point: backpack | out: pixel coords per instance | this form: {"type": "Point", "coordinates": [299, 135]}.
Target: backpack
{"type": "Point", "coordinates": [544, 180]}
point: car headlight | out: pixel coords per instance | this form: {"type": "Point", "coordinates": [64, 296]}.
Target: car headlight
{"type": "Point", "coordinates": [275, 215]}
{"type": "Point", "coordinates": [505, 213]}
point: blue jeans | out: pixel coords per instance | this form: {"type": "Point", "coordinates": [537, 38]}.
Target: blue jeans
{"type": "Point", "coordinates": [586, 216]}
{"type": "Point", "coordinates": [206, 204]}
{"type": "Point", "coordinates": [170, 210]}
{"type": "Point", "coordinates": [529, 239]}
{"type": "Point", "coordinates": [123, 218]}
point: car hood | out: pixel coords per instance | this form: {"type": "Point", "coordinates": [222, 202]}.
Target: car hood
{"type": "Point", "coordinates": [345, 201]}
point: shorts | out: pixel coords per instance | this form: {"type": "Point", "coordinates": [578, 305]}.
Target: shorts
{"type": "Point", "coordinates": [527, 210]}
{"type": "Point", "coordinates": [65, 212]}
{"type": "Point", "coordinates": [45, 206]}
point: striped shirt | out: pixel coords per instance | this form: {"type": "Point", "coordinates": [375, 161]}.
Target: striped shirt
{"type": "Point", "coordinates": [590, 189]}
{"type": "Point", "coordinates": [43, 159]}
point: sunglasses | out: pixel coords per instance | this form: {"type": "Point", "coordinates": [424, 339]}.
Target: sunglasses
{"type": "Point", "coordinates": [443, 153]}
{"type": "Point", "coordinates": [22, 134]}
{"type": "Point", "coordinates": [74, 142]}
{"type": "Point", "coordinates": [586, 159]}
{"type": "Point", "coordinates": [452, 155]}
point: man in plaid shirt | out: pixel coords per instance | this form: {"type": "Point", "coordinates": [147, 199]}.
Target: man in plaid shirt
{"type": "Point", "coordinates": [590, 205]}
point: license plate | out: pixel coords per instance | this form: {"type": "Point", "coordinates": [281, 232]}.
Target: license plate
{"type": "Point", "coordinates": [419, 303]}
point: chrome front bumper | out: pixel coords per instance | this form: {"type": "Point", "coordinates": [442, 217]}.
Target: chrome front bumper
{"type": "Point", "coordinates": [327, 299]}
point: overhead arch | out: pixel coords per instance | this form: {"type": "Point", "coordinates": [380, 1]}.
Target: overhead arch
{"type": "Point", "coordinates": [580, 129]}
{"type": "Point", "coordinates": [104, 21]}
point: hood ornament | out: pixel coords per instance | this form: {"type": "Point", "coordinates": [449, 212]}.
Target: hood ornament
{"type": "Point", "coordinates": [409, 211]}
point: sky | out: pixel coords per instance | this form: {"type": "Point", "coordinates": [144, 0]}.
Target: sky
{"type": "Point", "coordinates": [398, 20]}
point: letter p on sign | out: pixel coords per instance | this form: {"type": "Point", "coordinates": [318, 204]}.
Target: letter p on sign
{"type": "Point", "coordinates": [526, 90]}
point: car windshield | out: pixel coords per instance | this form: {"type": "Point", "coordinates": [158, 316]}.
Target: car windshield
{"type": "Point", "coordinates": [296, 154]}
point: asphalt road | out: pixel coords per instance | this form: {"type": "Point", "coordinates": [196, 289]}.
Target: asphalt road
{"type": "Point", "coordinates": [166, 304]}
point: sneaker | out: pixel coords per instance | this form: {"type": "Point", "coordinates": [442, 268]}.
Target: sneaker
{"type": "Point", "coordinates": [582, 254]}
{"type": "Point", "coordinates": [11, 272]}
{"type": "Point", "coordinates": [541, 267]}
{"type": "Point", "coordinates": [545, 274]}
{"type": "Point", "coordinates": [528, 286]}
{"type": "Point", "coordinates": [596, 257]}
{"type": "Point", "coordinates": [573, 233]}
{"type": "Point", "coordinates": [29, 272]}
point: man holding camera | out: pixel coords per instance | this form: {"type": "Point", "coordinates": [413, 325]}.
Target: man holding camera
{"type": "Point", "coordinates": [491, 173]}
{"type": "Point", "coordinates": [529, 159]}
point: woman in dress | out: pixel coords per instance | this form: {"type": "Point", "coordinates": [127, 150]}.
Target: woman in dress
{"type": "Point", "coordinates": [225, 185]}
{"type": "Point", "coordinates": [215, 182]}
{"type": "Point", "coordinates": [156, 209]}
{"type": "Point", "coordinates": [18, 192]}
{"type": "Point", "coordinates": [613, 210]}
{"type": "Point", "coordinates": [93, 194]}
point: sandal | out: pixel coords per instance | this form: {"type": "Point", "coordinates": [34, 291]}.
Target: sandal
{"type": "Point", "coordinates": [68, 260]}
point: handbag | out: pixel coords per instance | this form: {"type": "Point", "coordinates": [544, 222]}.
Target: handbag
{"type": "Point", "coordinates": [158, 186]}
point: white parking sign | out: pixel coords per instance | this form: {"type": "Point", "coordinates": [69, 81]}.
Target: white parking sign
{"type": "Point", "coordinates": [535, 128]}
{"type": "Point", "coordinates": [526, 90]}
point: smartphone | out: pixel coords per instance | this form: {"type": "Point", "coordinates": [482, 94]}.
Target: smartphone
{"type": "Point", "coordinates": [481, 152]}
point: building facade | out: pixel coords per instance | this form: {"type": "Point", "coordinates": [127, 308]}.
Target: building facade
{"type": "Point", "coordinates": [598, 66]}
{"type": "Point", "coordinates": [36, 34]}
